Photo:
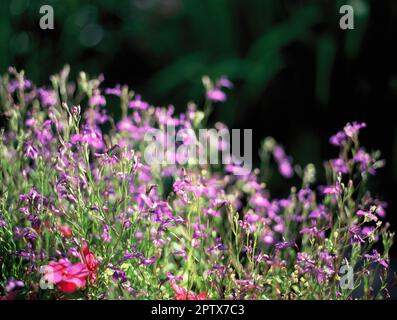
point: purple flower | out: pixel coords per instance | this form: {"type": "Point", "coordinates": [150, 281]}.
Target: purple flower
{"type": "Point", "coordinates": [305, 262]}
{"type": "Point", "coordinates": [31, 151]}
{"type": "Point", "coordinates": [338, 139]}
{"type": "Point", "coordinates": [368, 215]}
{"type": "Point", "coordinates": [356, 234]}
{"type": "Point", "coordinates": [137, 103]}
{"type": "Point", "coordinates": [305, 196]}
{"type": "Point", "coordinates": [105, 235]}
{"type": "Point", "coordinates": [119, 275]}
{"type": "Point", "coordinates": [339, 166]}
{"type": "Point", "coordinates": [364, 161]}
{"type": "Point", "coordinates": [91, 136]}
{"type": "Point", "coordinates": [48, 97]}
{"type": "Point", "coordinates": [97, 100]}
{"type": "Point", "coordinates": [3, 223]}
{"type": "Point", "coordinates": [352, 129]}
{"type": "Point", "coordinates": [13, 284]}
{"type": "Point", "coordinates": [319, 212]}
{"type": "Point", "coordinates": [146, 262]}
{"type": "Point", "coordinates": [170, 276]}
{"type": "Point", "coordinates": [376, 257]}
{"type": "Point", "coordinates": [224, 82]}
{"type": "Point", "coordinates": [312, 231]}
{"type": "Point", "coordinates": [284, 244]}
{"type": "Point", "coordinates": [369, 231]}
{"type": "Point", "coordinates": [126, 125]}
{"type": "Point", "coordinates": [284, 163]}
{"type": "Point", "coordinates": [278, 153]}
{"type": "Point", "coordinates": [285, 169]}
{"type": "Point", "coordinates": [16, 84]}
{"type": "Point", "coordinates": [332, 190]}
{"type": "Point", "coordinates": [116, 91]}
{"type": "Point", "coordinates": [381, 208]}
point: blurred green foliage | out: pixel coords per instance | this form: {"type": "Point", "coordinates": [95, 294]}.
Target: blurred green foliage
{"type": "Point", "coordinates": [164, 46]}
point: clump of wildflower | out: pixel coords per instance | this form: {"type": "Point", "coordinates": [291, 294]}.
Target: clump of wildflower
{"type": "Point", "coordinates": [78, 196]}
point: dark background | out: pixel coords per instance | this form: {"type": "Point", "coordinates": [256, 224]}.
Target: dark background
{"type": "Point", "coordinates": [298, 76]}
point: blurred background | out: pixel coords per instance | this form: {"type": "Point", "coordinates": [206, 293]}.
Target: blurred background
{"type": "Point", "coordinates": [297, 75]}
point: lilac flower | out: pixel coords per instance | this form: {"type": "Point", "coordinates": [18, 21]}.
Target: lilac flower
{"type": "Point", "coordinates": [97, 100]}
{"type": "Point", "coordinates": [356, 234]}
{"type": "Point", "coordinates": [224, 82]}
{"type": "Point", "coordinates": [258, 200]}
{"type": "Point", "coordinates": [180, 253]}
{"type": "Point", "coordinates": [126, 125]}
{"type": "Point", "coordinates": [119, 275]}
{"type": "Point", "coordinates": [116, 91]}
{"type": "Point", "coordinates": [13, 284]}
{"type": "Point", "coordinates": [137, 103]}
{"type": "Point", "coordinates": [319, 212]}
{"type": "Point", "coordinates": [352, 129]}
{"type": "Point", "coordinates": [284, 244]}
{"type": "Point", "coordinates": [338, 139]}
{"type": "Point", "coordinates": [368, 231]}
{"type": "Point", "coordinates": [285, 169]}
{"type": "Point", "coordinates": [91, 136]}
{"type": "Point", "coordinates": [323, 273]}
{"type": "Point", "coordinates": [16, 84]}
{"type": "Point", "coordinates": [312, 231]}
{"type": "Point", "coordinates": [339, 166]}
{"type": "Point", "coordinates": [380, 208]}
{"type": "Point", "coordinates": [218, 270]}
{"type": "Point", "coordinates": [44, 133]}
{"type": "Point", "coordinates": [31, 151]}
{"type": "Point", "coordinates": [268, 237]}
{"type": "Point", "coordinates": [368, 215]}
{"type": "Point", "coordinates": [364, 161]}
{"type": "Point", "coordinates": [216, 95]}
{"type": "Point", "coordinates": [145, 262]}
{"type": "Point", "coordinates": [212, 212]}
{"type": "Point", "coordinates": [170, 276]}
{"type": "Point", "coordinates": [376, 257]}
{"type": "Point", "coordinates": [327, 257]}
{"type": "Point", "coordinates": [284, 163]}
{"type": "Point", "coordinates": [48, 97]}
{"type": "Point", "coordinates": [305, 196]}
{"type": "Point", "coordinates": [3, 223]}
{"type": "Point", "coordinates": [332, 190]}
{"type": "Point", "coordinates": [105, 235]}
{"type": "Point", "coordinates": [279, 153]}
{"type": "Point", "coordinates": [305, 261]}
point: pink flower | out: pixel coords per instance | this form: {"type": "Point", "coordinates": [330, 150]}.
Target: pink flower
{"type": "Point", "coordinates": [66, 231]}
{"type": "Point", "coordinates": [285, 169]}
{"type": "Point", "coordinates": [67, 276]}
{"type": "Point", "coordinates": [368, 215]}
{"type": "Point", "coordinates": [137, 103]}
{"type": "Point", "coordinates": [338, 139]}
{"type": "Point", "coordinates": [90, 261]}
{"type": "Point", "coordinates": [216, 95]}
{"type": "Point", "coordinates": [183, 294]}
{"type": "Point", "coordinates": [352, 129]}
{"type": "Point", "coordinates": [97, 100]}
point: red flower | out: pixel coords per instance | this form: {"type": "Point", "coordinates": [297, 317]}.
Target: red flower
{"type": "Point", "coordinates": [90, 261]}
{"type": "Point", "coordinates": [66, 231]}
{"type": "Point", "coordinates": [183, 294]}
{"type": "Point", "coordinates": [67, 276]}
